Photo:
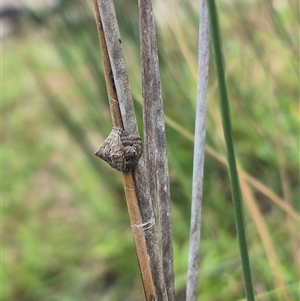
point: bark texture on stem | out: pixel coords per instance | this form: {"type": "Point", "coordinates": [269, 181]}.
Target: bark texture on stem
{"type": "Point", "coordinates": [123, 116]}
{"type": "Point", "coordinates": [155, 144]}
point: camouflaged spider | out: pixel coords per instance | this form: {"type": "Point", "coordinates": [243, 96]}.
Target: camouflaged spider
{"type": "Point", "coordinates": [121, 150]}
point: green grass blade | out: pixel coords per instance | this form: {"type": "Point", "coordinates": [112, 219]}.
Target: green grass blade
{"type": "Point", "coordinates": [236, 195]}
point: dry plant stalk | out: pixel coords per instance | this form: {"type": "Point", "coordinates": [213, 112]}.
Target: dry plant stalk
{"type": "Point", "coordinates": [155, 145]}
{"type": "Point", "coordinates": [199, 150]}
{"type": "Point", "coordinates": [128, 180]}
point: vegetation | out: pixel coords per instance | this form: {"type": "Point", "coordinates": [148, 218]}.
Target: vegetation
{"type": "Point", "coordinates": [66, 232]}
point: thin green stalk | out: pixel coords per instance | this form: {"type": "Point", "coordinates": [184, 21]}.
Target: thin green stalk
{"type": "Point", "coordinates": [236, 194]}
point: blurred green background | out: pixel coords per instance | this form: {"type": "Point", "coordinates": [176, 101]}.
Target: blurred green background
{"type": "Point", "coordinates": [65, 229]}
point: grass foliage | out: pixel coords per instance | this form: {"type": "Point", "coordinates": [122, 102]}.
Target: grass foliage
{"type": "Point", "coordinates": [66, 233]}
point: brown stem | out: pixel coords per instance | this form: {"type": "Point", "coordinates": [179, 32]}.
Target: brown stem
{"type": "Point", "coordinates": [156, 159]}
{"type": "Point", "coordinates": [128, 181]}
{"type": "Point", "coordinates": [109, 78]}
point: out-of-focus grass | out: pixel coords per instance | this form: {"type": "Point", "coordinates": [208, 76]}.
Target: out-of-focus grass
{"type": "Point", "coordinates": [66, 233]}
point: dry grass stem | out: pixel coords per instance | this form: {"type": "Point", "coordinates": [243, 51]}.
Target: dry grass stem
{"type": "Point", "coordinates": [264, 233]}
{"type": "Point", "coordinates": [254, 183]}
{"type": "Point", "coordinates": [123, 116]}
{"type": "Point", "coordinates": [199, 150]}
{"type": "Point", "coordinates": [155, 145]}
